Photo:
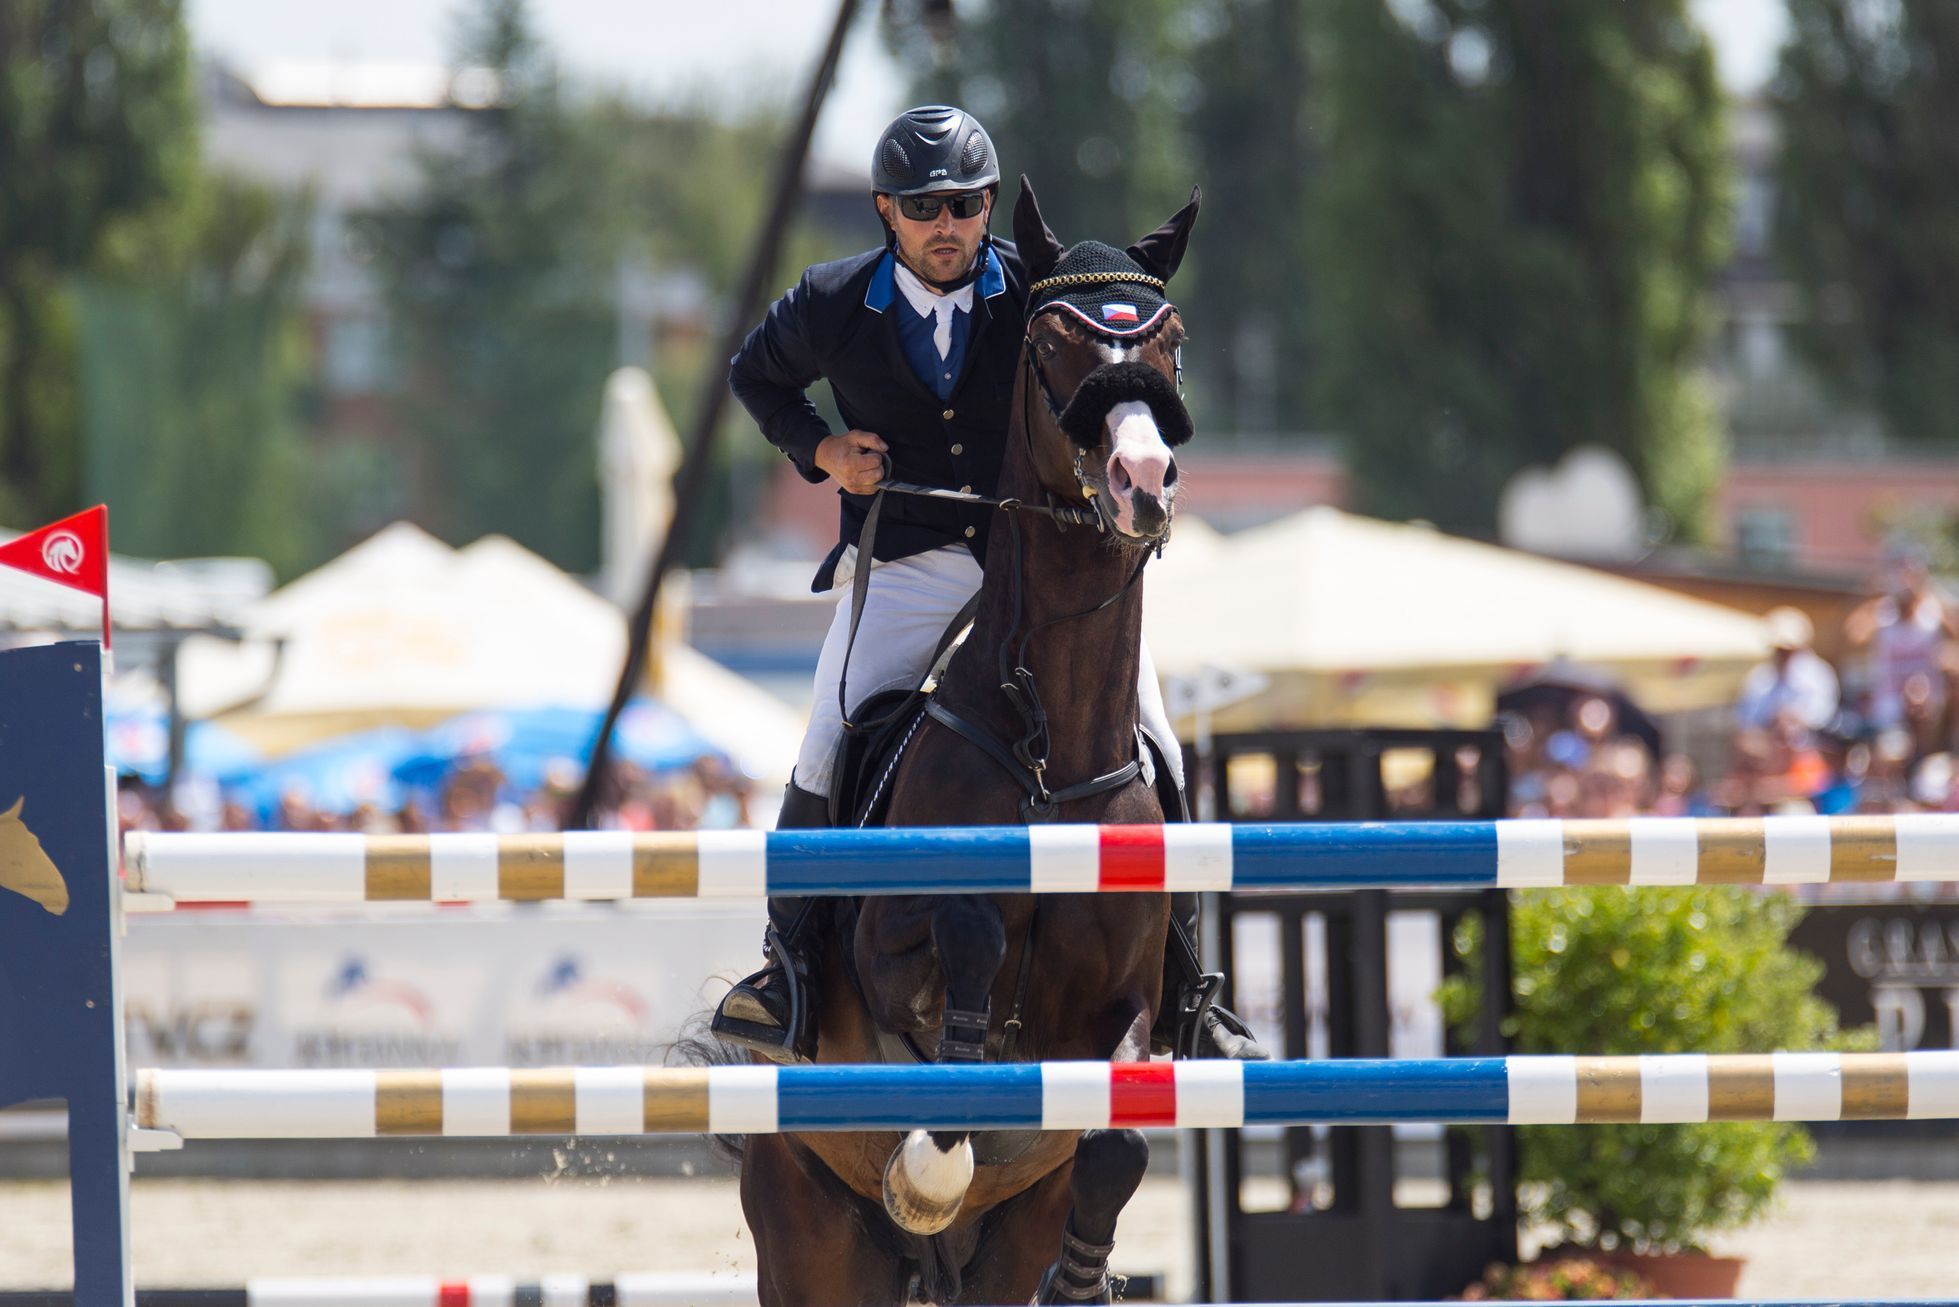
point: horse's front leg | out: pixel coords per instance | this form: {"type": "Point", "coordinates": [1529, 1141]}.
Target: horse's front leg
{"type": "Point", "coordinates": [1109, 1164]}
{"type": "Point", "coordinates": [928, 1174]}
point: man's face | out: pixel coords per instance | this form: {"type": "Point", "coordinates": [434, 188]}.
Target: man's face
{"type": "Point", "coordinates": [942, 247]}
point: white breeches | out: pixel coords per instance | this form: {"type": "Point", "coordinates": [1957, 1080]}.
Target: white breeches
{"type": "Point", "coordinates": [906, 609]}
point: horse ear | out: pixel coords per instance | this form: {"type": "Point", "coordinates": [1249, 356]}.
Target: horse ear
{"type": "Point", "coordinates": [1039, 250]}
{"type": "Point", "coordinates": [1162, 250]}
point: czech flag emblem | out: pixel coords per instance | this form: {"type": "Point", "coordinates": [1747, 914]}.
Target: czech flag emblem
{"type": "Point", "coordinates": [1120, 313]}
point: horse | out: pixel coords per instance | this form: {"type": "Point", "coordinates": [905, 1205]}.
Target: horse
{"type": "Point", "coordinates": [1034, 719]}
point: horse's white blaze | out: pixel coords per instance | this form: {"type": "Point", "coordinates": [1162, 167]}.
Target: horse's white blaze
{"type": "Point", "coordinates": [1139, 461]}
{"type": "Point", "coordinates": [1119, 353]}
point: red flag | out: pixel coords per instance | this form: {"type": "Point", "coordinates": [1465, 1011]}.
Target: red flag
{"type": "Point", "coordinates": [73, 552]}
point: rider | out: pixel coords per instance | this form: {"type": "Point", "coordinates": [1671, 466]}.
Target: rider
{"type": "Point", "coordinates": [919, 341]}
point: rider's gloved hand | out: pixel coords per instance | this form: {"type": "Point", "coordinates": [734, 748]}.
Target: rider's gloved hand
{"type": "Point", "coordinates": [853, 460]}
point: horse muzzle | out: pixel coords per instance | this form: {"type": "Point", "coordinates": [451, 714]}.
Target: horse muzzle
{"type": "Point", "coordinates": [1141, 474]}
{"type": "Point", "coordinates": [1134, 412]}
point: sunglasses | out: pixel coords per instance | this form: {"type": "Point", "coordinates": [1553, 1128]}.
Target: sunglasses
{"type": "Point", "coordinates": [925, 208]}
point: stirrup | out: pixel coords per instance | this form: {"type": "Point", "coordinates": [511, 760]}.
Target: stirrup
{"type": "Point", "coordinates": [1206, 1028]}
{"type": "Point", "coordinates": [789, 1043]}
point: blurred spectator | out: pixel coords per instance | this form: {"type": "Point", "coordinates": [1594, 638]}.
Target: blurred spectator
{"type": "Point", "coordinates": [1903, 632]}
{"type": "Point", "coordinates": [1793, 680]}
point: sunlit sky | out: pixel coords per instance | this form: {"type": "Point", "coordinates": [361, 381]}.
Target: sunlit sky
{"type": "Point", "coordinates": [724, 54]}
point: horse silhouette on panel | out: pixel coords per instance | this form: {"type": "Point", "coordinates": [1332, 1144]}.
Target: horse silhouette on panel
{"type": "Point", "coordinates": [60, 1007]}
{"type": "Point", "coordinates": [1034, 720]}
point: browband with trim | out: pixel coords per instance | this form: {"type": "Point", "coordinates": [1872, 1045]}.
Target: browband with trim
{"type": "Point", "coordinates": [1095, 279]}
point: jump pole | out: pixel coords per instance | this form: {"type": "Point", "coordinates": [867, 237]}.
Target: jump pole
{"type": "Point", "coordinates": [1524, 1090]}
{"type": "Point", "coordinates": [1204, 856]}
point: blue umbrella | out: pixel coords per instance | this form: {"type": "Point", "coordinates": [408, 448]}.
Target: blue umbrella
{"type": "Point", "coordinates": [334, 775]}
{"type": "Point", "coordinates": [138, 742]}
{"type": "Point", "coordinates": [524, 742]}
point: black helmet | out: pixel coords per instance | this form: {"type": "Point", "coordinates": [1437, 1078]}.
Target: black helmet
{"type": "Point", "coordinates": [933, 148]}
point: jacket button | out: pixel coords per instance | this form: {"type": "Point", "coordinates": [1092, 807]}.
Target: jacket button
{"type": "Point", "coordinates": [958, 449]}
{"type": "Point", "coordinates": [969, 533]}
{"type": "Point", "coordinates": [947, 415]}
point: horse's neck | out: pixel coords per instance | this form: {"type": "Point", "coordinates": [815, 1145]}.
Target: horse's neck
{"type": "Point", "coordinates": [1085, 668]}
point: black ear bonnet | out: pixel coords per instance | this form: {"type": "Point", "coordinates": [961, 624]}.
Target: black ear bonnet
{"type": "Point", "coordinates": [1104, 288]}
{"type": "Point", "coordinates": [1117, 383]}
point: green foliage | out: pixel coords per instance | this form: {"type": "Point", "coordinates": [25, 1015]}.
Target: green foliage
{"type": "Point", "coordinates": [1519, 214]}
{"type": "Point", "coordinates": [1700, 970]}
{"type": "Point", "coordinates": [1249, 295]}
{"type": "Point", "coordinates": [192, 360]}
{"type": "Point", "coordinates": [1868, 178]}
{"type": "Point", "coordinates": [501, 288]}
{"type": "Point", "coordinates": [1083, 98]}
{"type": "Point", "coordinates": [95, 131]}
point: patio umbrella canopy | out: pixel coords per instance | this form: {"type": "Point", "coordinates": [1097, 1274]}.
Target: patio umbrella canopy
{"type": "Point", "coordinates": [1362, 622]}
{"type": "Point", "coordinates": [405, 631]}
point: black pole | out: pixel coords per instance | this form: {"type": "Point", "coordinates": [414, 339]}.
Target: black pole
{"type": "Point", "coordinates": [690, 483]}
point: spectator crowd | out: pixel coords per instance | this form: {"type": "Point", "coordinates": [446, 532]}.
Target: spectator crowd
{"type": "Point", "coordinates": [474, 795]}
{"type": "Point", "coordinates": [1875, 735]}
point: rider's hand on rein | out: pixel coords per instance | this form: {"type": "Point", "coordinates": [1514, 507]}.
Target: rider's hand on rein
{"type": "Point", "coordinates": [855, 459]}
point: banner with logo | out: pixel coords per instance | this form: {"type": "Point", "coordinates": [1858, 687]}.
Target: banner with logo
{"type": "Point", "coordinates": [412, 985]}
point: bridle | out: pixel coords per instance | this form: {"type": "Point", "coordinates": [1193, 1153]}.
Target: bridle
{"type": "Point", "coordinates": [1026, 760]}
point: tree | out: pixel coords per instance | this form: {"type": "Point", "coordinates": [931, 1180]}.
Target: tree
{"type": "Point", "coordinates": [1868, 178]}
{"type": "Point", "coordinates": [1520, 213]}
{"type": "Point", "coordinates": [191, 364]}
{"type": "Point", "coordinates": [500, 282]}
{"type": "Point", "coordinates": [96, 130]}
{"type": "Point", "coordinates": [1250, 358]}
{"type": "Point", "coordinates": [1086, 99]}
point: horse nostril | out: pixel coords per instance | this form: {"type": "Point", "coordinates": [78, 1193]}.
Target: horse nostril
{"type": "Point", "coordinates": [1170, 475]}
{"type": "Point", "coordinates": [1120, 482]}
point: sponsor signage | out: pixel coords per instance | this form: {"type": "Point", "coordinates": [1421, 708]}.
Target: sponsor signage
{"type": "Point", "coordinates": [1892, 964]}
{"type": "Point", "coordinates": [499, 985]}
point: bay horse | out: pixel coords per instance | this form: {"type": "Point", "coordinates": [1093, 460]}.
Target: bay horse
{"type": "Point", "coordinates": [1034, 719]}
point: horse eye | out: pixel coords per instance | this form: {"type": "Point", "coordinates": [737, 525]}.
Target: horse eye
{"type": "Point", "coordinates": [1044, 347]}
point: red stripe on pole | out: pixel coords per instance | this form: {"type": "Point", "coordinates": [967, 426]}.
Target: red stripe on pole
{"type": "Point", "coordinates": [1143, 1093]}
{"type": "Point", "coordinates": [452, 1293]}
{"type": "Point", "coordinates": [1132, 858]}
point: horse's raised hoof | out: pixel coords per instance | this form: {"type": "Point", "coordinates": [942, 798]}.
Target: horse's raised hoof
{"type": "Point", "coordinates": [924, 1185]}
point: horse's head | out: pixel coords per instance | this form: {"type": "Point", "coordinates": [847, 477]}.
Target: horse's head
{"type": "Point", "coordinates": [1103, 355]}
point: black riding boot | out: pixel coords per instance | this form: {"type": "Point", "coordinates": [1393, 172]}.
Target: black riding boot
{"type": "Point", "coordinates": [1191, 1022]}
{"type": "Point", "coordinates": [770, 1012]}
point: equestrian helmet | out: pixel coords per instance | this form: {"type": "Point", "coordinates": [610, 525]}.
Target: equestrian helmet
{"type": "Point", "coordinates": [933, 148]}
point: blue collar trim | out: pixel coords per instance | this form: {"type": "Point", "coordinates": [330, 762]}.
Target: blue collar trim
{"type": "Point", "coordinates": [993, 277]}
{"type": "Point", "coordinates": [884, 282]}
{"type": "Point", "coordinates": [884, 285]}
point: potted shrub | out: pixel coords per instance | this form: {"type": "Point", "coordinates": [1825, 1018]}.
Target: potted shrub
{"type": "Point", "coordinates": [1705, 969]}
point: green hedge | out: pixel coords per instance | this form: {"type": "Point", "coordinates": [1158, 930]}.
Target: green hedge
{"type": "Point", "coordinates": [1616, 971]}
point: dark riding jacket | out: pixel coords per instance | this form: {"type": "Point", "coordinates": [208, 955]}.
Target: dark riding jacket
{"type": "Point", "coordinates": [838, 324]}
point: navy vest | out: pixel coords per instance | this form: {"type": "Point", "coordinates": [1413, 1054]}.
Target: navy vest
{"type": "Point", "coordinates": [915, 335]}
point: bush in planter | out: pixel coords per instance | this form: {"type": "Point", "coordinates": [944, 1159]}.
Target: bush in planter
{"type": "Point", "coordinates": [1696, 970]}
